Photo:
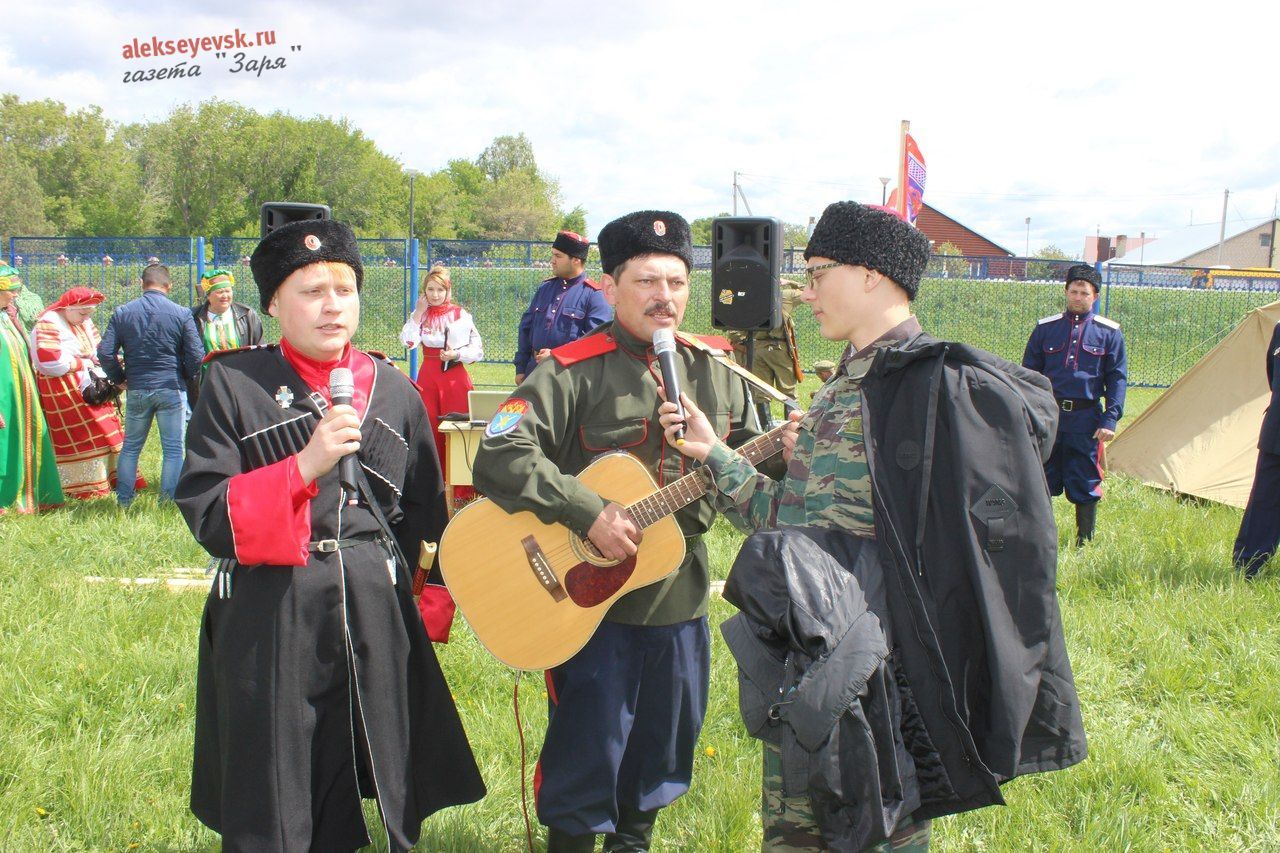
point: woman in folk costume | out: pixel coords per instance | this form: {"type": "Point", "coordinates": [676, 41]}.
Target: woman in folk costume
{"type": "Point", "coordinates": [28, 469]}
{"type": "Point", "coordinates": [316, 683]}
{"type": "Point", "coordinates": [449, 341]}
{"type": "Point", "coordinates": [222, 322]}
{"type": "Point", "coordinates": [86, 439]}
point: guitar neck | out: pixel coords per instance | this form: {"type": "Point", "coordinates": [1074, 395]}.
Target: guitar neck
{"type": "Point", "coordinates": [692, 486]}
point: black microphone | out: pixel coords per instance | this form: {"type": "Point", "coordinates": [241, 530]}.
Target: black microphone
{"type": "Point", "coordinates": [664, 347]}
{"type": "Point", "coordinates": [342, 387]}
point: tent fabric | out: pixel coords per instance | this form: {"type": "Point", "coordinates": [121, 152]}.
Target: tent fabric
{"type": "Point", "coordinates": [1201, 437]}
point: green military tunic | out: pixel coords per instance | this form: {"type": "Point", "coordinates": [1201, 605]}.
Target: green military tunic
{"type": "Point", "coordinates": [596, 395]}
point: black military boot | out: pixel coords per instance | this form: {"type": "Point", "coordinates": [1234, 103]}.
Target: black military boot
{"type": "Point", "coordinates": [559, 841]}
{"type": "Point", "coordinates": [1086, 517]}
{"type": "Point", "coordinates": [635, 828]}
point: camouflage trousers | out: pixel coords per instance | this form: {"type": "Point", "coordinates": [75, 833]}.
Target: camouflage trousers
{"type": "Point", "coordinates": [789, 826]}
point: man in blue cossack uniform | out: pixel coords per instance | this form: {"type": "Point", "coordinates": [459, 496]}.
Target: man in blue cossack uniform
{"type": "Point", "coordinates": [564, 307]}
{"type": "Point", "coordinates": [1083, 357]}
{"type": "Point", "coordinates": [1260, 527]}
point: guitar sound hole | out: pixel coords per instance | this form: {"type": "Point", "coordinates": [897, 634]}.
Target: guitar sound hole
{"type": "Point", "coordinates": [588, 553]}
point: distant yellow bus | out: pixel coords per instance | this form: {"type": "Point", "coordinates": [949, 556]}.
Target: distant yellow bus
{"type": "Point", "coordinates": [1207, 278]}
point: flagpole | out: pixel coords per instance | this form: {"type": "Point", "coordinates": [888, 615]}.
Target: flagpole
{"type": "Point", "coordinates": [902, 168]}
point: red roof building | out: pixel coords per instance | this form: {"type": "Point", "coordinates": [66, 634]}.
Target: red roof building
{"type": "Point", "coordinates": [940, 228]}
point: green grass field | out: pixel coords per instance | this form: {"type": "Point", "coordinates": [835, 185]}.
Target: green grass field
{"type": "Point", "coordinates": [1177, 662]}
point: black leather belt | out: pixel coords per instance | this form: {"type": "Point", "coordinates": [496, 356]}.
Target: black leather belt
{"type": "Point", "coordinates": [328, 546]}
{"type": "Point", "coordinates": [1069, 404]}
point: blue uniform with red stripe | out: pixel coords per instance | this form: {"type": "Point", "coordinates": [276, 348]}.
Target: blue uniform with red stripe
{"type": "Point", "coordinates": [561, 311]}
{"type": "Point", "coordinates": [1083, 357]}
{"type": "Point", "coordinates": [1260, 527]}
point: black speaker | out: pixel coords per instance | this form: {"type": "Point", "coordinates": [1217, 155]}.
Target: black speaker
{"type": "Point", "coordinates": [746, 264]}
{"type": "Point", "coordinates": [276, 213]}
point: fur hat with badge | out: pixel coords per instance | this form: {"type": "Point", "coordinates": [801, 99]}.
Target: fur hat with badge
{"type": "Point", "coordinates": [1084, 272]}
{"type": "Point", "coordinates": [298, 244]}
{"type": "Point", "coordinates": [873, 237]}
{"type": "Point", "coordinates": [645, 232]}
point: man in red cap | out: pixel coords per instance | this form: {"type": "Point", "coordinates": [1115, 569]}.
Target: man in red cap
{"type": "Point", "coordinates": [564, 308]}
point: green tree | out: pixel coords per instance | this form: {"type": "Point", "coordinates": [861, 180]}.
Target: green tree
{"type": "Point", "coordinates": [1048, 271]}
{"type": "Point", "coordinates": [518, 206]}
{"type": "Point", "coordinates": [700, 228]}
{"type": "Point", "coordinates": [953, 266]}
{"type": "Point", "coordinates": [507, 154]}
{"type": "Point", "coordinates": [90, 182]}
{"type": "Point", "coordinates": [575, 220]}
{"type": "Point", "coordinates": [21, 199]}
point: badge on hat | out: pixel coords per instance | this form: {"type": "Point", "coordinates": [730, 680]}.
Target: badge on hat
{"type": "Point", "coordinates": [312, 242]}
{"type": "Point", "coordinates": [659, 227]}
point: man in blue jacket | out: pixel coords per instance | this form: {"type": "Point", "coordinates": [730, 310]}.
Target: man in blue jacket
{"type": "Point", "coordinates": [1082, 355]}
{"type": "Point", "coordinates": [162, 352]}
{"type": "Point", "coordinates": [564, 307]}
{"type": "Point", "coordinates": [1260, 527]}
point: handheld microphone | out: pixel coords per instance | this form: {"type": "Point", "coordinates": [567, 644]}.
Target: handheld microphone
{"type": "Point", "coordinates": [342, 387]}
{"type": "Point", "coordinates": [664, 347]}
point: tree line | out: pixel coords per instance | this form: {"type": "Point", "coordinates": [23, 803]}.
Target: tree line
{"type": "Point", "coordinates": [205, 169]}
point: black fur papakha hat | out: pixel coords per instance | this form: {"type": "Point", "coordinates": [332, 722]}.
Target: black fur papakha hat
{"type": "Point", "coordinates": [297, 244]}
{"type": "Point", "coordinates": [1084, 272]}
{"type": "Point", "coordinates": [645, 232]}
{"type": "Point", "coordinates": [573, 245]}
{"type": "Point", "coordinates": [863, 236]}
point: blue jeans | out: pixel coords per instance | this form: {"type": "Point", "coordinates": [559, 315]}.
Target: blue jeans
{"type": "Point", "coordinates": [169, 408]}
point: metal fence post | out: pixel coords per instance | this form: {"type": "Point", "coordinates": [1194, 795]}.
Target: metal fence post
{"type": "Point", "coordinates": [13, 253]}
{"type": "Point", "coordinates": [412, 301]}
{"type": "Point", "coordinates": [1106, 299]}
{"type": "Point", "coordinates": [199, 268]}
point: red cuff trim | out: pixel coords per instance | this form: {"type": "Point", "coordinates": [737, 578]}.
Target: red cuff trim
{"type": "Point", "coordinates": [437, 608]}
{"type": "Point", "coordinates": [270, 513]}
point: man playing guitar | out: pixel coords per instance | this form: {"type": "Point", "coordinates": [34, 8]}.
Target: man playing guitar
{"type": "Point", "coordinates": [625, 711]}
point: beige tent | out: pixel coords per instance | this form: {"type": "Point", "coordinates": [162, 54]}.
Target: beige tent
{"type": "Point", "coordinates": [1201, 437]}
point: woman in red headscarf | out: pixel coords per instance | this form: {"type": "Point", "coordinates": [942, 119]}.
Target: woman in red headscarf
{"type": "Point", "coordinates": [86, 439]}
{"type": "Point", "coordinates": [449, 341]}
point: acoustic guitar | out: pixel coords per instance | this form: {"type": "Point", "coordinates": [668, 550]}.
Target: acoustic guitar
{"type": "Point", "coordinates": [534, 593]}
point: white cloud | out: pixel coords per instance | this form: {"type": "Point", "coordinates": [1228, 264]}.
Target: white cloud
{"type": "Point", "coordinates": [1081, 117]}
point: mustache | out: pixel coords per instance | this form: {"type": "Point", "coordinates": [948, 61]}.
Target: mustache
{"type": "Point", "coordinates": [663, 307]}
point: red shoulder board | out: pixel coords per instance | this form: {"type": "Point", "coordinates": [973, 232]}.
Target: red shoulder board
{"type": "Point", "coordinates": [221, 352]}
{"type": "Point", "coordinates": [712, 341]}
{"type": "Point", "coordinates": [594, 285]}
{"type": "Point", "coordinates": [584, 348]}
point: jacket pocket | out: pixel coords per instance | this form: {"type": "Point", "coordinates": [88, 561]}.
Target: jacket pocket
{"type": "Point", "coordinates": [599, 438]}
{"type": "Point", "coordinates": [569, 322]}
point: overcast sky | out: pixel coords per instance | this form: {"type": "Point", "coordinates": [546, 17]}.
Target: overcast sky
{"type": "Point", "coordinates": [1110, 116]}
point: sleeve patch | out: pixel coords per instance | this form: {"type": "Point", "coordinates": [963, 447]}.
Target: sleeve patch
{"type": "Point", "coordinates": [508, 418]}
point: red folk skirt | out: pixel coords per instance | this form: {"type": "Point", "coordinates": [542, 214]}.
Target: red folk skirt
{"type": "Point", "coordinates": [443, 391]}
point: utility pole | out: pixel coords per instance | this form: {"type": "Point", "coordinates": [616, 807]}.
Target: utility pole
{"type": "Point", "coordinates": [1222, 230]}
{"type": "Point", "coordinates": [1027, 251]}
{"type": "Point", "coordinates": [884, 191]}
{"type": "Point", "coordinates": [735, 193]}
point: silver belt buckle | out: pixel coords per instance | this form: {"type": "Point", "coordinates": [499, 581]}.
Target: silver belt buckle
{"type": "Point", "coordinates": [327, 546]}
{"type": "Point", "coordinates": [1068, 405]}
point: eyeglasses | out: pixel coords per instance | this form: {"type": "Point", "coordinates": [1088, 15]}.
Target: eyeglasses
{"type": "Point", "coordinates": [809, 271]}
